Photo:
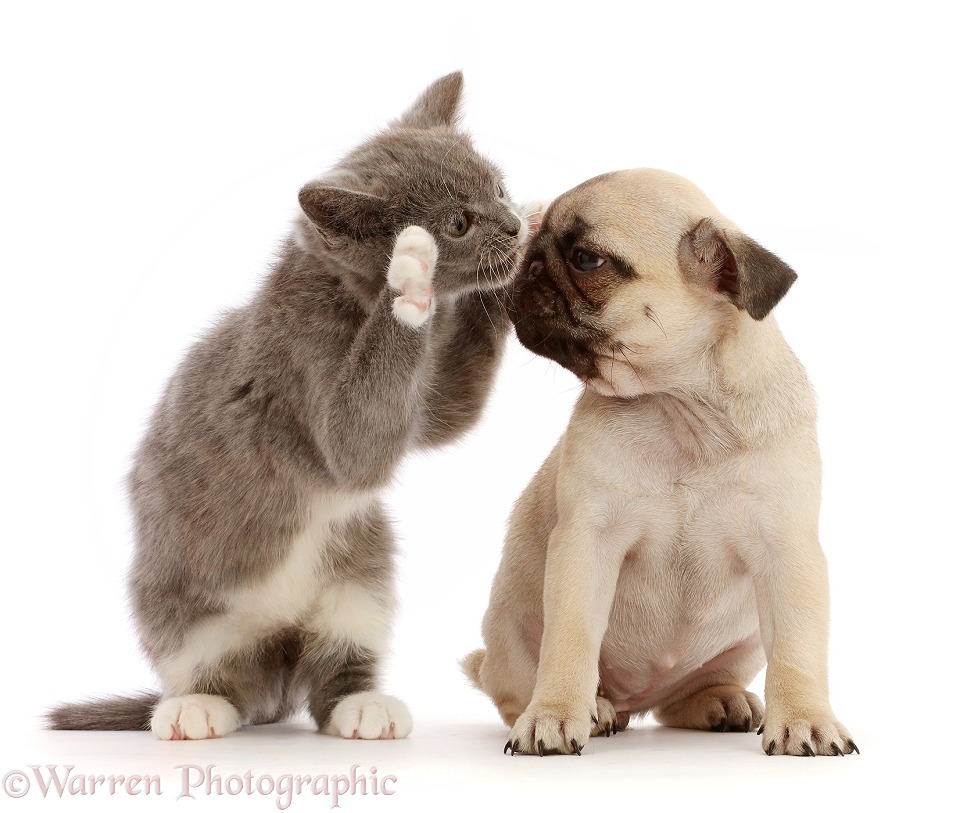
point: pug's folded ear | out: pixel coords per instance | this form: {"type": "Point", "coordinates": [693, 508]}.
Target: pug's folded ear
{"type": "Point", "coordinates": [751, 276]}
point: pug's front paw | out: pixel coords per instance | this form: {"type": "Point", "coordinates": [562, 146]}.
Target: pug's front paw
{"type": "Point", "coordinates": [805, 735]}
{"type": "Point", "coordinates": [552, 728]}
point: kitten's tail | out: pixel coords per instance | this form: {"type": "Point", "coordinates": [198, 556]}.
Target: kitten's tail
{"type": "Point", "coordinates": [471, 666]}
{"type": "Point", "coordinates": [105, 714]}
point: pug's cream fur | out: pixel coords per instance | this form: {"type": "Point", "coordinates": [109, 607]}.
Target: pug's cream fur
{"type": "Point", "coordinates": [668, 547]}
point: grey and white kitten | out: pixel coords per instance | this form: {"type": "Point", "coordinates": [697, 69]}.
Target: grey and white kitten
{"type": "Point", "coordinates": [263, 573]}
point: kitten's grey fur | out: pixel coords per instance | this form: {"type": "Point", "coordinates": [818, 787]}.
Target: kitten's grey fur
{"type": "Point", "coordinates": [268, 448]}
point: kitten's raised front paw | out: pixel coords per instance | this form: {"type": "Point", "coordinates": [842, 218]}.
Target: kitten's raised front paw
{"type": "Point", "coordinates": [194, 717]}
{"type": "Point", "coordinates": [411, 272]}
{"type": "Point", "coordinates": [805, 735]}
{"type": "Point", "coordinates": [370, 716]}
{"type": "Point", "coordinates": [546, 729]}
{"type": "Point", "coordinates": [533, 212]}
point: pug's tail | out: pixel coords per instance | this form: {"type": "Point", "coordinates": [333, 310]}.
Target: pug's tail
{"type": "Point", "coordinates": [131, 713]}
{"type": "Point", "coordinates": [471, 665]}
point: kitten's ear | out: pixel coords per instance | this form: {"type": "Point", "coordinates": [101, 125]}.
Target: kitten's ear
{"type": "Point", "coordinates": [338, 212]}
{"type": "Point", "coordinates": [438, 106]}
{"type": "Point", "coordinates": [754, 278]}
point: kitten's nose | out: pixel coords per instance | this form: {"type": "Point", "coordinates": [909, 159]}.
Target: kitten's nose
{"type": "Point", "coordinates": [511, 225]}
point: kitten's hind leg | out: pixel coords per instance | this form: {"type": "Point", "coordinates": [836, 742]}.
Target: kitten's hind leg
{"type": "Point", "coordinates": [342, 701]}
{"type": "Point", "coordinates": [370, 716]}
{"type": "Point", "coordinates": [339, 663]}
{"type": "Point", "coordinates": [411, 272]}
{"type": "Point", "coordinates": [248, 685]}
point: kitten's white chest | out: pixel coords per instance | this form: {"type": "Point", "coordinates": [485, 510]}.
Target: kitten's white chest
{"type": "Point", "coordinates": [286, 594]}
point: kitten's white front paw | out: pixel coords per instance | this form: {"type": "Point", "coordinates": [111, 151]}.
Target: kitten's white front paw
{"type": "Point", "coordinates": [533, 212]}
{"type": "Point", "coordinates": [411, 272]}
{"type": "Point", "coordinates": [370, 716]}
{"type": "Point", "coordinates": [194, 717]}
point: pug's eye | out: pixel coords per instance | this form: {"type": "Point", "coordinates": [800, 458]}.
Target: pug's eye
{"type": "Point", "coordinates": [585, 261]}
{"type": "Point", "coordinates": [460, 224]}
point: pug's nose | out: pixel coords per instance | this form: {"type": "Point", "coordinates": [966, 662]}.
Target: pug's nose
{"type": "Point", "coordinates": [533, 295]}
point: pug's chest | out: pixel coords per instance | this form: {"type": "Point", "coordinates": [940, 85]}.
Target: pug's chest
{"type": "Point", "coordinates": [679, 604]}
{"type": "Point", "coordinates": [684, 595]}
{"type": "Point", "coordinates": [686, 560]}
{"type": "Point", "coordinates": [694, 483]}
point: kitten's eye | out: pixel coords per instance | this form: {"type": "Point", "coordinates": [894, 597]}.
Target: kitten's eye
{"type": "Point", "coordinates": [585, 261]}
{"type": "Point", "coordinates": [501, 194]}
{"type": "Point", "coordinates": [460, 224]}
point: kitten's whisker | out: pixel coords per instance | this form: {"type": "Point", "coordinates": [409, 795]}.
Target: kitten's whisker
{"type": "Point", "coordinates": [481, 297]}
{"type": "Point", "coordinates": [443, 174]}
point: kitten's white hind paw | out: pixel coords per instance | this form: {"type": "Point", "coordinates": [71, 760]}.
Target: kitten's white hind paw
{"type": "Point", "coordinates": [411, 272]}
{"type": "Point", "coordinates": [194, 717]}
{"type": "Point", "coordinates": [370, 716]}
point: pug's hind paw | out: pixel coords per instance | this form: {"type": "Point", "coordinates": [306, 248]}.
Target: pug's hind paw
{"type": "Point", "coordinates": [608, 720]}
{"type": "Point", "coordinates": [717, 708]}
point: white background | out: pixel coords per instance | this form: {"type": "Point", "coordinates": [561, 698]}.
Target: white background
{"type": "Point", "coordinates": [151, 156]}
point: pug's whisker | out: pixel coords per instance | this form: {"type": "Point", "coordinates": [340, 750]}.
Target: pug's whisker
{"type": "Point", "coordinates": [632, 366]}
{"type": "Point", "coordinates": [650, 314]}
{"type": "Point", "coordinates": [540, 343]}
{"type": "Point", "coordinates": [624, 348]}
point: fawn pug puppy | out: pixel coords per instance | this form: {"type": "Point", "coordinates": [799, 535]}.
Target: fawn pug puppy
{"type": "Point", "coordinates": [668, 547]}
